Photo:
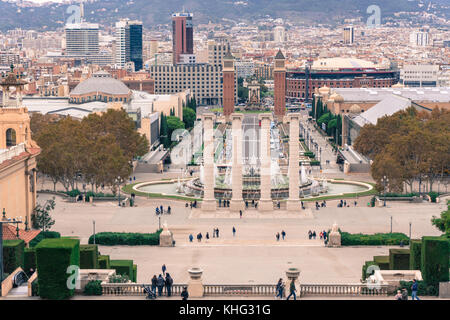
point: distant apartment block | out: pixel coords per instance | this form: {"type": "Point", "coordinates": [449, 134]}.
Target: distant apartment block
{"type": "Point", "coordinates": [419, 75]}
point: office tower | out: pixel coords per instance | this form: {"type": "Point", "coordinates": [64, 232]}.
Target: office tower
{"type": "Point", "coordinates": [279, 34]}
{"type": "Point", "coordinates": [419, 38]}
{"type": "Point", "coordinates": [217, 49]}
{"type": "Point", "coordinates": [349, 35]}
{"type": "Point", "coordinates": [82, 39]}
{"type": "Point", "coordinates": [228, 84]}
{"type": "Point", "coordinates": [153, 48]}
{"type": "Point", "coordinates": [182, 35]}
{"type": "Point", "coordinates": [129, 43]}
{"type": "Point", "coordinates": [279, 74]}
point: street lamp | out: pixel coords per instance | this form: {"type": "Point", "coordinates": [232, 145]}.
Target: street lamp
{"type": "Point", "coordinates": [119, 180]}
{"type": "Point", "coordinates": [410, 234]}
{"type": "Point", "coordinates": [385, 181]}
{"type": "Point", "coordinates": [93, 224]}
{"type": "Point", "coordinates": [5, 220]}
{"type": "Point", "coordinates": [391, 224]}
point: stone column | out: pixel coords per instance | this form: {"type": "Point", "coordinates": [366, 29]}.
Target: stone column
{"type": "Point", "coordinates": [209, 201]}
{"type": "Point", "coordinates": [237, 202]}
{"type": "Point", "coordinates": [265, 203]}
{"type": "Point", "coordinates": [195, 285]}
{"type": "Point", "coordinates": [293, 203]}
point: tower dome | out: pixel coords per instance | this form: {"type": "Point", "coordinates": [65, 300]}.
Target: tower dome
{"type": "Point", "coordinates": [355, 109]}
{"type": "Point", "coordinates": [337, 97]}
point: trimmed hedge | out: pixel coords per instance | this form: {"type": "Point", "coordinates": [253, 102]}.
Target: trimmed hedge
{"type": "Point", "coordinates": [103, 262]}
{"type": "Point", "coordinates": [123, 267]}
{"type": "Point", "coordinates": [398, 259]}
{"type": "Point", "coordinates": [382, 262]}
{"type": "Point", "coordinates": [93, 288]}
{"type": "Point", "coordinates": [13, 255]}
{"type": "Point", "coordinates": [435, 260]}
{"type": "Point", "coordinates": [128, 239]}
{"type": "Point", "coordinates": [88, 256]}
{"type": "Point", "coordinates": [364, 269]}
{"type": "Point", "coordinates": [415, 250]}
{"type": "Point", "coordinates": [29, 260]}
{"type": "Point", "coordinates": [377, 239]}
{"type": "Point", "coordinates": [134, 273]}
{"type": "Point", "coordinates": [44, 235]}
{"type": "Point", "coordinates": [53, 257]}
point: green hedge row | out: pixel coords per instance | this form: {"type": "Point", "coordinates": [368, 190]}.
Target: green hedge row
{"type": "Point", "coordinates": [88, 256]}
{"type": "Point", "coordinates": [309, 154]}
{"type": "Point", "coordinates": [415, 254]}
{"type": "Point", "coordinates": [134, 273]}
{"type": "Point", "coordinates": [399, 259]}
{"type": "Point", "coordinates": [53, 257]}
{"type": "Point", "coordinates": [377, 239]}
{"type": "Point", "coordinates": [382, 262]}
{"type": "Point", "coordinates": [44, 235]}
{"type": "Point", "coordinates": [13, 255]}
{"type": "Point", "coordinates": [29, 260]}
{"type": "Point", "coordinates": [435, 260]}
{"type": "Point", "coordinates": [103, 262]}
{"type": "Point", "coordinates": [93, 288]}
{"type": "Point", "coordinates": [123, 267]}
{"type": "Point", "coordinates": [129, 239]}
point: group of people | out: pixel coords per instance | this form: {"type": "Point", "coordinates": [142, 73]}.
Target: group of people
{"type": "Point", "coordinates": [323, 204]}
{"type": "Point", "coordinates": [403, 294]}
{"type": "Point", "coordinates": [253, 204]}
{"type": "Point", "coordinates": [160, 210]}
{"type": "Point", "coordinates": [281, 287]}
{"type": "Point", "coordinates": [283, 235]}
{"type": "Point", "coordinates": [215, 234]}
{"type": "Point", "coordinates": [343, 204]}
{"type": "Point", "coordinates": [192, 204]}
{"type": "Point", "coordinates": [164, 280]}
{"type": "Point", "coordinates": [224, 203]}
{"type": "Point", "coordinates": [323, 235]}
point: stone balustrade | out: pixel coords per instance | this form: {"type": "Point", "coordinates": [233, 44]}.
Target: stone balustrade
{"type": "Point", "coordinates": [134, 289]}
{"type": "Point", "coordinates": [256, 290]}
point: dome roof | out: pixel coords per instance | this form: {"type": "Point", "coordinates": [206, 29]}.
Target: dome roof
{"type": "Point", "coordinates": [101, 82]}
{"type": "Point", "coordinates": [337, 97]}
{"type": "Point", "coordinates": [324, 90]}
{"type": "Point", "coordinates": [355, 109]}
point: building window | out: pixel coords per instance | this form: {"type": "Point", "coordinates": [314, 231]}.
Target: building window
{"type": "Point", "coordinates": [10, 137]}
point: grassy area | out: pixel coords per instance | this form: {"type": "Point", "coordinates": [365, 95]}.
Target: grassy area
{"type": "Point", "coordinates": [253, 111]}
{"type": "Point", "coordinates": [129, 189]}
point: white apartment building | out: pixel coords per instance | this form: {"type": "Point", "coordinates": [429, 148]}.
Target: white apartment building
{"type": "Point", "coordinates": [421, 75]}
{"type": "Point", "coordinates": [217, 50]}
{"type": "Point", "coordinates": [82, 39]}
{"type": "Point", "coordinates": [279, 35]}
{"type": "Point", "coordinates": [419, 38]}
{"type": "Point", "coordinates": [245, 68]}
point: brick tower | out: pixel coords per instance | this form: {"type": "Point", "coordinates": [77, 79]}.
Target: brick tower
{"type": "Point", "coordinates": [228, 84]}
{"type": "Point", "coordinates": [279, 74]}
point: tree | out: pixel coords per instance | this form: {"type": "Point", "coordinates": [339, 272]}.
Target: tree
{"type": "Point", "coordinates": [164, 132]}
{"type": "Point", "coordinates": [41, 218]}
{"type": "Point", "coordinates": [173, 123]}
{"type": "Point", "coordinates": [189, 117]}
{"type": "Point", "coordinates": [443, 223]}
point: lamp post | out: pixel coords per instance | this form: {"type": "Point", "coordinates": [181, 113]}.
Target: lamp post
{"type": "Point", "coordinates": [385, 181]}
{"type": "Point", "coordinates": [119, 181]}
{"type": "Point", "coordinates": [391, 224]}
{"type": "Point", "coordinates": [410, 234]}
{"type": "Point", "coordinates": [5, 220]}
{"type": "Point", "coordinates": [93, 224]}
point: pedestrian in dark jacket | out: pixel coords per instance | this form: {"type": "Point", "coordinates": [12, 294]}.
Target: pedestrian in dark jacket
{"type": "Point", "coordinates": [414, 289]}
{"type": "Point", "coordinates": [168, 283]}
{"type": "Point", "coordinates": [160, 284]}
{"type": "Point", "coordinates": [292, 291]}
{"type": "Point", "coordinates": [283, 234]}
{"type": "Point", "coordinates": [154, 281]}
{"type": "Point", "coordinates": [184, 294]}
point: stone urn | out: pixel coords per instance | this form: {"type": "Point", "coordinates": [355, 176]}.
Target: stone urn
{"type": "Point", "coordinates": [195, 273]}
{"type": "Point", "coordinates": [292, 273]}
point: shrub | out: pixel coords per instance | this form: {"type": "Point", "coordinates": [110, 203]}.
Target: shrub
{"type": "Point", "coordinates": [399, 259]}
{"type": "Point", "coordinates": [377, 239]}
{"type": "Point", "coordinates": [309, 154]}
{"type": "Point", "coordinates": [29, 260]}
{"type": "Point", "coordinates": [118, 278]}
{"type": "Point", "coordinates": [53, 257]}
{"type": "Point", "coordinates": [103, 262]}
{"type": "Point", "coordinates": [129, 239]}
{"type": "Point", "coordinates": [88, 256]}
{"type": "Point", "coordinates": [423, 288]}
{"type": "Point", "coordinates": [35, 288]}
{"type": "Point", "coordinates": [415, 252]}
{"type": "Point", "coordinates": [364, 269]}
{"type": "Point", "coordinates": [372, 201]}
{"type": "Point", "coordinates": [123, 267]}
{"type": "Point", "coordinates": [401, 195]}
{"type": "Point", "coordinates": [433, 195]}
{"type": "Point", "coordinates": [44, 235]}
{"type": "Point", "coordinates": [434, 260]}
{"type": "Point", "coordinates": [134, 273]}
{"type": "Point", "coordinates": [13, 255]}
{"type": "Point", "coordinates": [93, 288]}
{"type": "Point", "coordinates": [382, 262]}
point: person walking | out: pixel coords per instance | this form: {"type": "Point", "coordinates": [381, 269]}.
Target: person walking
{"type": "Point", "coordinates": [217, 230]}
{"type": "Point", "coordinates": [184, 294]}
{"type": "Point", "coordinates": [160, 284]}
{"type": "Point", "coordinates": [283, 234]}
{"type": "Point", "coordinates": [240, 214]}
{"type": "Point", "coordinates": [278, 236]}
{"type": "Point", "coordinates": [314, 235]}
{"type": "Point", "coordinates": [161, 208]}
{"type": "Point", "coordinates": [280, 288]}
{"type": "Point", "coordinates": [234, 231]}
{"type": "Point", "coordinates": [207, 236]}
{"type": "Point", "coordinates": [414, 289]}
{"type": "Point", "coordinates": [163, 268]}
{"type": "Point", "coordinates": [309, 234]}
{"type": "Point", "coordinates": [154, 281]}
{"type": "Point", "coordinates": [168, 283]}
{"type": "Point", "coordinates": [292, 291]}
{"type": "Point", "coordinates": [191, 237]}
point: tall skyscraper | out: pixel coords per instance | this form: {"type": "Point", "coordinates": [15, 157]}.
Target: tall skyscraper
{"type": "Point", "coordinates": [82, 39]}
{"type": "Point", "coordinates": [182, 35]}
{"type": "Point", "coordinates": [349, 35]}
{"type": "Point", "coordinates": [419, 38]}
{"type": "Point", "coordinates": [279, 34]}
{"type": "Point", "coordinates": [129, 43]}
{"type": "Point", "coordinates": [279, 74]}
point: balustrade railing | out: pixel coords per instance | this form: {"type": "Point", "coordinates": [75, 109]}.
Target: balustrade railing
{"type": "Point", "coordinates": [135, 289]}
